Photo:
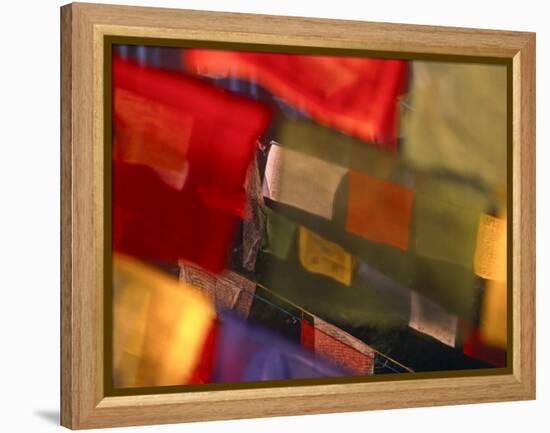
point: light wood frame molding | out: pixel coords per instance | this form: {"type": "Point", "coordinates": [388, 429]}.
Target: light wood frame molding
{"type": "Point", "coordinates": [83, 28]}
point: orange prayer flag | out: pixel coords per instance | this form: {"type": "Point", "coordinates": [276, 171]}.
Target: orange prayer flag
{"type": "Point", "coordinates": [378, 210]}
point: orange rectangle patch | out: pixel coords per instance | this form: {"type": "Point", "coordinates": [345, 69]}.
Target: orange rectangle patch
{"type": "Point", "coordinates": [379, 211]}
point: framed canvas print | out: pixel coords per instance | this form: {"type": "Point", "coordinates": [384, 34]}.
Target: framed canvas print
{"type": "Point", "coordinates": [269, 216]}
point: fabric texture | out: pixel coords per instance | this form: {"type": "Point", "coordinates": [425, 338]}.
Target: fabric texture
{"type": "Point", "coordinates": [228, 290]}
{"type": "Point", "coordinates": [493, 324]}
{"type": "Point", "coordinates": [431, 319]}
{"type": "Point", "coordinates": [323, 257]}
{"type": "Point", "coordinates": [179, 196]}
{"type": "Point", "coordinates": [458, 120]}
{"type": "Point", "coordinates": [303, 181]}
{"type": "Point", "coordinates": [379, 210]}
{"type": "Point", "coordinates": [342, 349]}
{"type": "Point", "coordinates": [246, 352]}
{"type": "Point", "coordinates": [356, 95]}
{"type": "Point", "coordinates": [281, 234]}
{"type": "Point", "coordinates": [490, 251]}
{"type": "Point", "coordinates": [447, 213]}
{"type": "Point", "coordinates": [160, 326]}
{"type": "Point", "coordinates": [491, 264]}
{"type": "Point", "coordinates": [475, 347]}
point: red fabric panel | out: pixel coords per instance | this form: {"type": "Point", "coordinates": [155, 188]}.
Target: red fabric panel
{"type": "Point", "coordinates": [167, 224]}
{"type": "Point", "coordinates": [356, 95]}
{"type": "Point", "coordinates": [204, 370]}
{"type": "Point", "coordinates": [474, 347]}
{"type": "Point", "coordinates": [334, 350]}
{"type": "Point", "coordinates": [151, 218]}
{"type": "Point", "coordinates": [307, 335]}
{"type": "Point", "coordinates": [341, 354]}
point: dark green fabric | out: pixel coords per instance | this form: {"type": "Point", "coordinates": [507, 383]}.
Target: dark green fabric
{"type": "Point", "coordinates": [458, 120]}
{"type": "Point", "coordinates": [443, 226]}
{"type": "Point", "coordinates": [343, 150]}
{"type": "Point", "coordinates": [359, 303]}
{"type": "Point", "coordinates": [281, 234]}
{"type": "Point", "coordinates": [453, 287]}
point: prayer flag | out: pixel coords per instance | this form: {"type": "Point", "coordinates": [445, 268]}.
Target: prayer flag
{"type": "Point", "coordinates": [247, 352]}
{"type": "Point", "coordinates": [160, 326]}
{"type": "Point", "coordinates": [323, 257]}
{"type": "Point", "coordinates": [356, 95]}
{"type": "Point", "coordinates": [379, 210]}
{"type": "Point", "coordinates": [181, 151]}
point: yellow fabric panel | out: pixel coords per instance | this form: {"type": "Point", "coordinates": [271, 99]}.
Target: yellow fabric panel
{"type": "Point", "coordinates": [321, 256]}
{"type": "Point", "coordinates": [129, 335]}
{"type": "Point", "coordinates": [493, 324]}
{"type": "Point", "coordinates": [159, 326]}
{"type": "Point", "coordinates": [490, 263]}
{"type": "Point", "coordinates": [490, 254]}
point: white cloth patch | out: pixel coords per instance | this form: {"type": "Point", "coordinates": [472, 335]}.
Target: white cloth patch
{"type": "Point", "coordinates": [302, 181]}
{"type": "Point", "coordinates": [431, 319]}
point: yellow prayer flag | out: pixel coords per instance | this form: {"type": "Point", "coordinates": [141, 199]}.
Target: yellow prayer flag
{"type": "Point", "coordinates": [493, 323]}
{"type": "Point", "coordinates": [320, 256]}
{"type": "Point", "coordinates": [490, 263]}
{"type": "Point", "coordinates": [490, 253]}
{"type": "Point", "coordinates": [159, 326]}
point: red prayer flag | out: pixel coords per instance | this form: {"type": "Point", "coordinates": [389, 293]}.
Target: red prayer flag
{"type": "Point", "coordinates": [356, 95]}
{"type": "Point", "coordinates": [307, 335]}
{"type": "Point", "coordinates": [180, 154]}
{"type": "Point", "coordinates": [475, 347]}
{"type": "Point", "coordinates": [334, 350]}
{"type": "Point", "coordinates": [203, 372]}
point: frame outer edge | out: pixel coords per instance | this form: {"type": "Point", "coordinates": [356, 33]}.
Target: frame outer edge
{"type": "Point", "coordinates": [527, 225]}
{"type": "Point", "coordinates": [79, 408]}
{"type": "Point", "coordinates": [66, 307]}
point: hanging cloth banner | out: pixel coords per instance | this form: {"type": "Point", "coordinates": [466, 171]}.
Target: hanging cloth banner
{"type": "Point", "coordinates": [490, 263]}
{"type": "Point", "coordinates": [302, 181]}
{"type": "Point", "coordinates": [160, 327]}
{"type": "Point", "coordinates": [458, 121]}
{"type": "Point", "coordinates": [228, 290]}
{"type": "Point", "coordinates": [356, 95]}
{"type": "Point", "coordinates": [248, 352]}
{"type": "Point", "coordinates": [320, 256]}
{"type": "Point", "coordinates": [431, 319]}
{"type": "Point", "coordinates": [336, 345]}
{"type": "Point", "coordinates": [181, 151]}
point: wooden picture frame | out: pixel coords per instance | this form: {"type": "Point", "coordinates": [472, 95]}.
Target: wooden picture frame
{"type": "Point", "coordinates": [85, 28]}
